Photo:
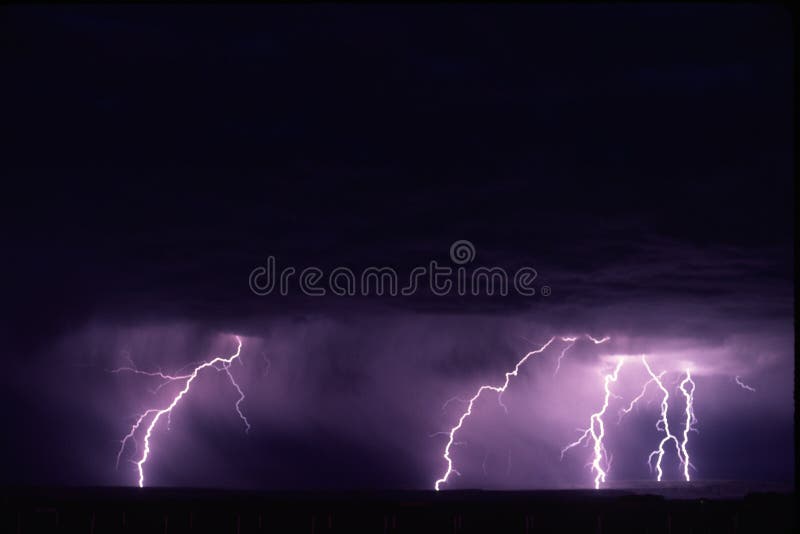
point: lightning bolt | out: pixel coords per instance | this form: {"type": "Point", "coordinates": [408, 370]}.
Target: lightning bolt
{"type": "Point", "coordinates": [451, 400]}
{"type": "Point", "coordinates": [572, 340]}
{"type": "Point", "coordinates": [130, 435]}
{"type": "Point", "coordinates": [744, 386]}
{"type": "Point", "coordinates": [625, 411]}
{"type": "Point", "coordinates": [219, 364]}
{"type": "Point", "coordinates": [497, 389]}
{"type": "Point", "coordinates": [597, 430]}
{"type": "Point", "coordinates": [689, 421]}
{"type": "Point", "coordinates": [662, 424]}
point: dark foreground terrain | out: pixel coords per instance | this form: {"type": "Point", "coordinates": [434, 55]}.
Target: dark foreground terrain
{"type": "Point", "coordinates": [129, 510]}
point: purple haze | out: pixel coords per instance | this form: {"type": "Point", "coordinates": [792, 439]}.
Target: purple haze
{"type": "Point", "coordinates": [338, 402]}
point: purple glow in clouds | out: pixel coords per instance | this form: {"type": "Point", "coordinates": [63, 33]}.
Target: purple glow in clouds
{"type": "Point", "coordinates": [601, 380]}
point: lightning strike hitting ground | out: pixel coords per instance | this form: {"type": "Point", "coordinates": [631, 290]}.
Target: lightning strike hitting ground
{"type": "Point", "coordinates": [497, 389]}
{"type": "Point", "coordinates": [663, 424]}
{"type": "Point", "coordinates": [689, 421]}
{"type": "Point", "coordinates": [744, 386]}
{"type": "Point", "coordinates": [594, 434]}
{"type": "Point", "coordinates": [597, 431]}
{"type": "Point", "coordinates": [219, 364]}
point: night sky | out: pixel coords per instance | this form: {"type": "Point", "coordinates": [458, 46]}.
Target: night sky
{"type": "Point", "coordinates": [639, 158]}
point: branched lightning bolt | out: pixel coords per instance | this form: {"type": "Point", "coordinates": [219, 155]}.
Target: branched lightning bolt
{"type": "Point", "coordinates": [572, 340]}
{"type": "Point", "coordinates": [597, 430]}
{"type": "Point", "coordinates": [499, 390]}
{"type": "Point", "coordinates": [219, 363]}
{"type": "Point", "coordinates": [744, 386]}
{"type": "Point", "coordinates": [625, 411]}
{"type": "Point", "coordinates": [689, 421]}
{"type": "Point", "coordinates": [451, 400]}
{"type": "Point", "coordinates": [239, 400]}
{"type": "Point", "coordinates": [130, 435]}
{"type": "Point", "coordinates": [662, 424]}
